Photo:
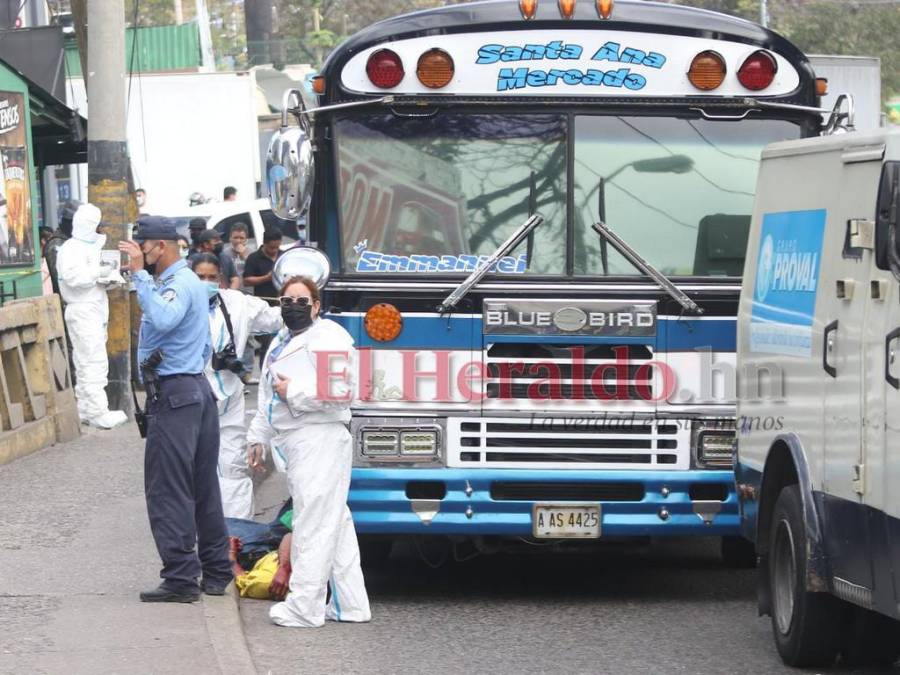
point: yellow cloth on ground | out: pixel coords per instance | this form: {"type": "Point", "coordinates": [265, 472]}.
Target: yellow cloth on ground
{"type": "Point", "coordinates": [255, 583]}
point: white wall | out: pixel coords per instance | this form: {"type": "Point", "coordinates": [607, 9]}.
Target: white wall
{"type": "Point", "coordinates": [856, 75]}
{"type": "Point", "coordinates": [188, 132]}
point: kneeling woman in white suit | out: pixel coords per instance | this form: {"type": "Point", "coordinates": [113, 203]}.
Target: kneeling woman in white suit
{"type": "Point", "coordinates": [247, 316]}
{"type": "Point", "coordinates": [306, 422]}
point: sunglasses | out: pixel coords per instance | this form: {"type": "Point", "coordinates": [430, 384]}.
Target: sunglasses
{"type": "Point", "coordinates": [287, 301]}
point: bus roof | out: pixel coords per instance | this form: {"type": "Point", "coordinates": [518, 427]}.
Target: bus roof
{"type": "Point", "coordinates": [505, 15]}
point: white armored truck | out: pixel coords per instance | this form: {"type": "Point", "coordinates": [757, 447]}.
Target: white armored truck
{"type": "Point", "coordinates": [818, 467]}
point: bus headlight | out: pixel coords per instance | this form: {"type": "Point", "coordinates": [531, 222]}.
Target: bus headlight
{"type": "Point", "coordinates": [380, 443]}
{"type": "Point", "coordinates": [400, 443]}
{"type": "Point", "coordinates": [419, 442]}
{"type": "Point", "coordinates": [715, 443]}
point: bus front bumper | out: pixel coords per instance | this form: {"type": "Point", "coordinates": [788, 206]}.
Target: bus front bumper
{"type": "Point", "coordinates": [469, 502]}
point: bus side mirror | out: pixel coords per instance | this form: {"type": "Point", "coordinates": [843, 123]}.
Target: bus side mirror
{"type": "Point", "coordinates": [289, 164]}
{"type": "Point", "coordinates": [887, 216]}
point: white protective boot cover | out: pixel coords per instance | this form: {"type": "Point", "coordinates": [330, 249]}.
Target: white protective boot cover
{"type": "Point", "coordinates": [109, 420]}
{"type": "Point", "coordinates": [324, 548]}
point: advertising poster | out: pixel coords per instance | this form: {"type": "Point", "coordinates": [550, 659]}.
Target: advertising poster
{"type": "Point", "coordinates": [787, 279]}
{"type": "Point", "coordinates": [16, 237]}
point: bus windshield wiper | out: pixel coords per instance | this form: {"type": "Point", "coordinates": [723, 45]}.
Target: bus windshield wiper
{"type": "Point", "coordinates": [478, 273]}
{"type": "Point", "coordinates": [635, 259]}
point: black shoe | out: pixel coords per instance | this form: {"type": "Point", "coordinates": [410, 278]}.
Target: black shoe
{"type": "Point", "coordinates": [213, 587]}
{"type": "Point", "coordinates": [163, 593]}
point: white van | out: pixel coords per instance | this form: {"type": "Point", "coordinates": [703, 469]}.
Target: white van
{"type": "Point", "coordinates": [256, 214]}
{"type": "Point", "coordinates": [818, 468]}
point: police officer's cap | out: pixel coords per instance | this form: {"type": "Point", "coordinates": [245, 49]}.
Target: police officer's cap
{"type": "Point", "coordinates": [155, 227]}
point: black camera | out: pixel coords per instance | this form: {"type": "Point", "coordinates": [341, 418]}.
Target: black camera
{"type": "Point", "coordinates": [227, 359]}
{"type": "Point", "coordinates": [150, 377]}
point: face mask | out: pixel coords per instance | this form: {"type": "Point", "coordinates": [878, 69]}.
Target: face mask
{"type": "Point", "coordinates": [212, 289]}
{"type": "Point", "coordinates": [149, 267]}
{"type": "Point", "coordinates": [183, 252]}
{"type": "Point", "coordinates": [217, 249]}
{"type": "Point", "coordinates": [296, 317]}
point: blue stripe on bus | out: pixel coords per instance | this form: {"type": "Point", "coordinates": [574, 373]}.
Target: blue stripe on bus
{"type": "Point", "coordinates": [426, 332]}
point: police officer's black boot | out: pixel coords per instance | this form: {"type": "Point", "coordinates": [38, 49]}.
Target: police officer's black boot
{"type": "Point", "coordinates": [163, 593]}
{"type": "Point", "coordinates": [211, 587]}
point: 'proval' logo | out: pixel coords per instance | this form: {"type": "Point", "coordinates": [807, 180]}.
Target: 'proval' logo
{"type": "Point", "coordinates": [764, 268]}
{"type": "Point", "coordinates": [784, 268]}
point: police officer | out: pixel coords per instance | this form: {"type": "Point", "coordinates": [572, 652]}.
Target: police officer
{"type": "Point", "coordinates": [182, 451]}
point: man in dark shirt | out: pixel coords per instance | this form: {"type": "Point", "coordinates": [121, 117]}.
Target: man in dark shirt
{"type": "Point", "coordinates": [258, 276]}
{"type": "Point", "coordinates": [258, 268]}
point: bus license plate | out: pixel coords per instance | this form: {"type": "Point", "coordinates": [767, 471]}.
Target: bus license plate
{"type": "Point", "coordinates": [569, 521]}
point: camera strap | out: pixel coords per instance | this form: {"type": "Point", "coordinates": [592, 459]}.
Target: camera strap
{"type": "Point", "coordinates": [227, 318]}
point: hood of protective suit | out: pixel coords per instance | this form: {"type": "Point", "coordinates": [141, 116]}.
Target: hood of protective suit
{"type": "Point", "coordinates": [84, 225]}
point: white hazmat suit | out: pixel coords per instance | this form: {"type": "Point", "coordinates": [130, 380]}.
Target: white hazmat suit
{"type": "Point", "coordinates": [310, 435]}
{"type": "Point", "coordinates": [82, 285]}
{"type": "Point", "coordinates": [249, 315]}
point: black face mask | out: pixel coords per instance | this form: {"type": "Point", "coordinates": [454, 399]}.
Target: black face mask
{"type": "Point", "coordinates": [149, 268]}
{"type": "Point", "coordinates": [217, 249]}
{"type": "Point", "coordinates": [296, 317]}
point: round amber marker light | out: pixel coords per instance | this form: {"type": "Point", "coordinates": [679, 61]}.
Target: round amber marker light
{"type": "Point", "coordinates": [383, 322]}
{"type": "Point", "coordinates": [435, 68]}
{"type": "Point", "coordinates": [707, 70]}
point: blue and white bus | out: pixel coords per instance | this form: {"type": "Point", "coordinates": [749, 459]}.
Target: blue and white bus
{"type": "Point", "coordinates": [536, 216]}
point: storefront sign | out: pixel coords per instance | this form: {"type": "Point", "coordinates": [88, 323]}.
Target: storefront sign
{"type": "Point", "coordinates": [16, 236]}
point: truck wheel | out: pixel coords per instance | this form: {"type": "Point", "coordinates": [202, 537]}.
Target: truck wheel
{"type": "Point", "coordinates": [738, 553]}
{"type": "Point", "coordinates": [871, 639]}
{"type": "Point", "coordinates": [805, 624]}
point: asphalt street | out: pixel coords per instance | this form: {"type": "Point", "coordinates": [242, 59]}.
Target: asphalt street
{"type": "Point", "coordinates": [669, 607]}
{"type": "Point", "coordinates": [75, 550]}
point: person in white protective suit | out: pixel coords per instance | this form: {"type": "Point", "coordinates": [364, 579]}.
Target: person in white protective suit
{"type": "Point", "coordinates": [246, 315]}
{"type": "Point", "coordinates": [303, 413]}
{"type": "Point", "coordinates": [82, 284]}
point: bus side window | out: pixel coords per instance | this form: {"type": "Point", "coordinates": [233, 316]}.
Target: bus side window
{"type": "Point", "coordinates": [887, 212]}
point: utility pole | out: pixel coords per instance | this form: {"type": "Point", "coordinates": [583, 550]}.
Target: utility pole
{"type": "Point", "coordinates": [108, 172]}
{"type": "Point", "coordinates": [206, 48]}
{"type": "Point", "coordinates": [764, 13]}
{"type": "Point", "coordinates": [179, 13]}
{"type": "Point", "coordinates": [79, 22]}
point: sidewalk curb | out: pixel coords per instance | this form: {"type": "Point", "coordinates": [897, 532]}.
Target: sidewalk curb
{"type": "Point", "coordinates": [226, 633]}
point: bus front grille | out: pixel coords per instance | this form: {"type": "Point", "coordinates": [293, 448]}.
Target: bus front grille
{"type": "Point", "coordinates": [559, 373]}
{"type": "Point", "coordinates": [590, 442]}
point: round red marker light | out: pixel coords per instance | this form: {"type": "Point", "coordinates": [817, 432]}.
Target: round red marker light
{"type": "Point", "coordinates": [385, 69]}
{"type": "Point", "coordinates": [758, 71]}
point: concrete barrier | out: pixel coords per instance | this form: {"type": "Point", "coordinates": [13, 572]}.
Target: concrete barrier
{"type": "Point", "coordinates": [37, 402]}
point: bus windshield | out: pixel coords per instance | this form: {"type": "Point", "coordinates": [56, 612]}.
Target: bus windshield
{"type": "Point", "coordinates": [439, 194]}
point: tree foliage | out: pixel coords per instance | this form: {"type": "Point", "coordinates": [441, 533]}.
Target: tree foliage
{"type": "Point", "coordinates": [830, 27]}
{"type": "Point", "coordinates": [860, 27]}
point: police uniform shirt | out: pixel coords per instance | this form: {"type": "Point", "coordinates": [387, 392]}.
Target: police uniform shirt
{"type": "Point", "coordinates": [175, 319]}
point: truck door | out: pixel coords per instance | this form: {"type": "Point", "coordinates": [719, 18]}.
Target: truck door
{"type": "Point", "coordinates": [843, 336]}
{"type": "Point", "coordinates": [879, 469]}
